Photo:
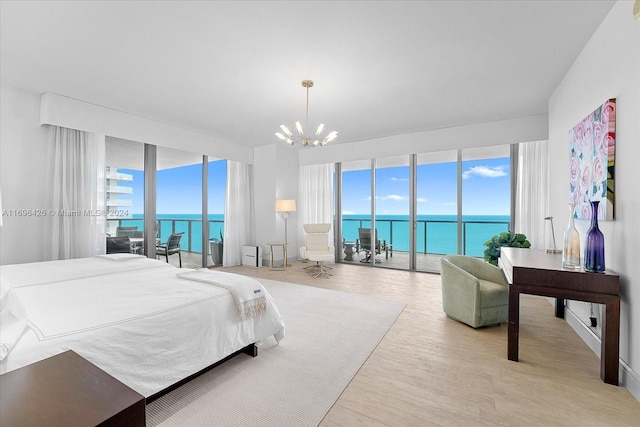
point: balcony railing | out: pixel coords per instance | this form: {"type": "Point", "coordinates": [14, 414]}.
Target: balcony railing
{"type": "Point", "coordinates": [434, 236]}
{"type": "Point", "coordinates": [192, 228]}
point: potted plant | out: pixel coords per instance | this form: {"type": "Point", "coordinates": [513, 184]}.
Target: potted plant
{"type": "Point", "coordinates": [507, 238]}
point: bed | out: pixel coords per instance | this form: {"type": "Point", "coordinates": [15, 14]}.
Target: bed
{"type": "Point", "coordinates": [134, 317]}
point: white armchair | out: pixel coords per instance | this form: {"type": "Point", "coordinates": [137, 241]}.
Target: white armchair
{"type": "Point", "coordinates": [317, 249]}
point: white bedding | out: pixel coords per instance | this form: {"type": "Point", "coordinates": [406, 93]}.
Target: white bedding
{"type": "Point", "coordinates": [52, 271]}
{"type": "Point", "coordinates": [133, 317]}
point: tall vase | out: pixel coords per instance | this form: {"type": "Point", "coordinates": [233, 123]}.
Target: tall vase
{"type": "Point", "coordinates": [571, 248]}
{"type": "Point", "coordinates": [594, 244]}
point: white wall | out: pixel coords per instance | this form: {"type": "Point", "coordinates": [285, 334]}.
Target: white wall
{"type": "Point", "coordinates": [275, 169]}
{"type": "Point", "coordinates": [608, 67]}
{"type": "Point", "coordinates": [24, 162]}
{"type": "Point", "coordinates": [75, 114]}
{"type": "Point", "coordinates": [499, 132]}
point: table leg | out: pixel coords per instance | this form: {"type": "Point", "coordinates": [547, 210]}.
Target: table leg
{"type": "Point", "coordinates": [284, 258]}
{"type": "Point", "coordinates": [514, 323]}
{"type": "Point", "coordinates": [271, 258]}
{"type": "Point", "coordinates": [610, 342]}
{"type": "Point", "coordinates": [560, 308]}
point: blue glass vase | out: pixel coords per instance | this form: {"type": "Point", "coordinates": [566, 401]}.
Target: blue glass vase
{"type": "Point", "coordinates": [594, 244]}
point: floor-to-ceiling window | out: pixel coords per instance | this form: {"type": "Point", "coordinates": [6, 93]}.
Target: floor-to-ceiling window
{"type": "Point", "coordinates": [179, 202]}
{"type": "Point", "coordinates": [124, 190]}
{"type": "Point", "coordinates": [356, 208]}
{"type": "Point", "coordinates": [461, 197]}
{"type": "Point", "coordinates": [177, 196]}
{"type": "Point", "coordinates": [216, 193]}
{"type": "Point", "coordinates": [436, 208]}
{"type": "Point", "coordinates": [486, 196]}
{"type": "Point", "coordinates": [393, 222]}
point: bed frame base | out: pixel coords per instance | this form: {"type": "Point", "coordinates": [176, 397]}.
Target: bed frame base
{"type": "Point", "coordinates": [251, 350]}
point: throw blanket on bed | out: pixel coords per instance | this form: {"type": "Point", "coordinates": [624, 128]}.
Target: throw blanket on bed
{"type": "Point", "coordinates": [247, 292]}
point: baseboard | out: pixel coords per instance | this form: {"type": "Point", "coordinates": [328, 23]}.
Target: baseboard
{"type": "Point", "coordinates": [629, 379]}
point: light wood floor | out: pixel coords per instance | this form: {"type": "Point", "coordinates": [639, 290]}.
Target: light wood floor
{"type": "Point", "coordinates": [431, 370]}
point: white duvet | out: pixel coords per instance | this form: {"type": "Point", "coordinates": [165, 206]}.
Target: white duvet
{"type": "Point", "coordinates": [131, 316]}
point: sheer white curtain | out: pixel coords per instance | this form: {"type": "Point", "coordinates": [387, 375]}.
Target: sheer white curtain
{"type": "Point", "coordinates": [78, 201]}
{"type": "Point", "coordinates": [315, 198]}
{"type": "Point", "coordinates": [238, 212]}
{"type": "Point", "coordinates": [532, 191]}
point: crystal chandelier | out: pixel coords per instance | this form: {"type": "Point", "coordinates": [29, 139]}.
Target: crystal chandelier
{"type": "Point", "coordinates": [317, 139]}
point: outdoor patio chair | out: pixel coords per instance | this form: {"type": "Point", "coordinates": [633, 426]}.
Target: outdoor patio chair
{"type": "Point", "coordinates": [364, 243]}
{"type": "Point", "coordinates": [126, 231]}
{"type": "Point", "coordinates": [118, 245]}
{"type": "Point", "coordinates": [171, 247]}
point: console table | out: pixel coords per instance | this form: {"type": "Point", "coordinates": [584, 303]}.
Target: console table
{"type": "Point", "coordinates": [536, 272]}
{"type": "Point", "coordinates": [64, 390]}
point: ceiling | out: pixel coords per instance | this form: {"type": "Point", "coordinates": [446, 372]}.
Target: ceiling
{"type": "Point", "coordinates": [233, 70]}
{"type": "Point", "coordinates": [126, 154]}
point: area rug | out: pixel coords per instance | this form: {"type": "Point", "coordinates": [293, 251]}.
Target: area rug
{"type": "Point", "coordinates": [329, 335]}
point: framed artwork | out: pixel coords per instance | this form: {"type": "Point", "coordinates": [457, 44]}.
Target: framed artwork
{"type": "Point", "coordinates": [592, 144]}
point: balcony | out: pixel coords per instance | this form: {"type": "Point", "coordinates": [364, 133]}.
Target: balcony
{"type": "Point", "coordinates": [191, 242]}
{"type": "Point", "coordinates": [435, 239]}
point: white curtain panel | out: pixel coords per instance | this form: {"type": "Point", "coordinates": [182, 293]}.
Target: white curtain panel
{"type": "Point", "coordinates": [238, 212]}
{"type": "Point", "coordinates": [315, 198]}
{"type": "Point", "coordinates": [532, 192]}
{"type": "Point", "coordinates": [78, 201]}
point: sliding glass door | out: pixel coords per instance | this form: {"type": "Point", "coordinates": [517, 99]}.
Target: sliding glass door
{"type": "Point", "coordinates": [356, 209]}
{"type": "Point", "coordinates": [437, 208]}
{"type": "Point", "coordinates": [486, 196]}
{"type": "Point", "coordinates": [124, 191]}
{"type": "Point", "coordinates": [424, 206]}
{"type": "Point", "coordinates": [179, 204]}
{"type": "Point", "coordinates": [216, 194]}
{"type": "Point", "coordinates": [392, 203]}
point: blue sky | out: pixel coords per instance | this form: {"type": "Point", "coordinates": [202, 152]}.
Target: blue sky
{"type": "Point", "coordinates": [485, 189]}
{"type": "Point", "coordinates": [179, 189]}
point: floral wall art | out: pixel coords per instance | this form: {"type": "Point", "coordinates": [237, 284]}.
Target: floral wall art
{"type": "Point", "coordinates": [591, 162]}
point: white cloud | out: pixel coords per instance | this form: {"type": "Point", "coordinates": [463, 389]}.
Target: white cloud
{"type": "Point", "coordinates": [421, 200]}
{"type": "Point", "coordinates": [395, 179]}
{"type": "Point", "coordinates": [392, 197]}
{"type": "Point", "coordinates": [484, 172]}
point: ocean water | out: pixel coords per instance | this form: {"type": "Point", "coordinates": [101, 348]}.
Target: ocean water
{"type": "Point", "coordinates": [436, 234]}
{"type": "Point", "coordinates": [191, 240]}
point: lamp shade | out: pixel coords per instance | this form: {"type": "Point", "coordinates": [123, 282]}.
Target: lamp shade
{"type": "Point", "coordinates": [285, 205]}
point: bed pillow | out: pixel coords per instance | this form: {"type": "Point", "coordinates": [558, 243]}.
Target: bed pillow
{"type": "Point", "coordinates": [13, 318]}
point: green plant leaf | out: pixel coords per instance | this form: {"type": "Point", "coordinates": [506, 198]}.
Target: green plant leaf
{"type": "Point", "coordinates": [509, 239]}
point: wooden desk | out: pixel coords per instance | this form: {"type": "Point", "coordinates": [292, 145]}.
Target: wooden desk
{"type": "Point", "coordinates": [536, 272]}
{"type": "Point", "coordinates": [66, 390]}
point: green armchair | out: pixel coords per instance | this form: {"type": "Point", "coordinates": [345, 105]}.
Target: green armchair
{"type": "Point", "coordinates": [473, 291]}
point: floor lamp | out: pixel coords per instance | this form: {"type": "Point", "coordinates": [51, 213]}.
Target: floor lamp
{"type": "Point", "coordinates": [285, 207]}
